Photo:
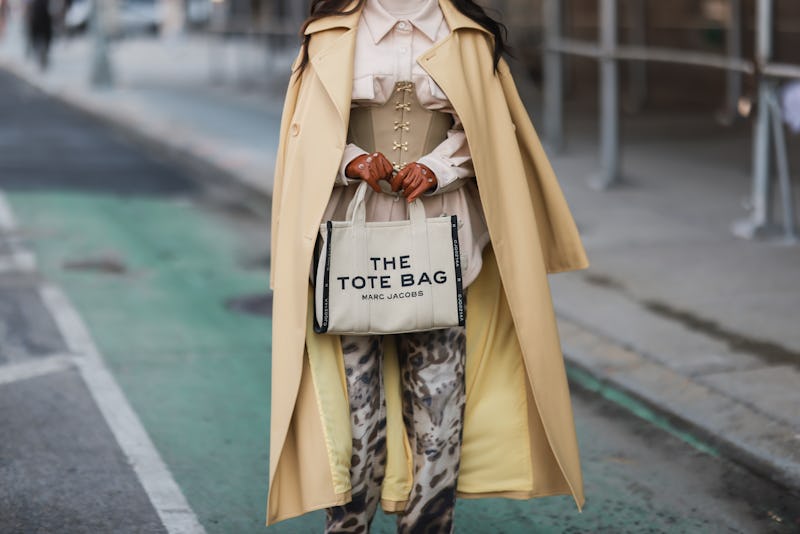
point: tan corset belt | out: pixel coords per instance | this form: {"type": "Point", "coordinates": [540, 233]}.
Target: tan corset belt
{"type": "Point", "coordinates": [401, 129]}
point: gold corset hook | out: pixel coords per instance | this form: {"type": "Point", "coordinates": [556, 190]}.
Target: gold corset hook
{"type": "Point", "coordinates": [405, 86]}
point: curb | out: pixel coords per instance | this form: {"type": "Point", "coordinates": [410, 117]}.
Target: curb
{"type": "Point", "coordinates": [708, 420]}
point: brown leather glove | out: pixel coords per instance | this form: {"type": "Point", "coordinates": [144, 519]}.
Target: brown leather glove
{"type": "Point", "coordinates": [414, 179]}
{"type": "Point", "coordinates": [371, 168]}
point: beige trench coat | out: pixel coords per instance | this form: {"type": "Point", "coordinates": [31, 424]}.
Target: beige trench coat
{"type": "Point", "coordinates": [519, 434]}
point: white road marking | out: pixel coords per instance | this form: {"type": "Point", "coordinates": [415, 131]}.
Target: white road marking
{"type": "Point", "coordinates": [7, 222]}
{"type": "Point", "coordinates": [164, 493]}
{"type": "Point", "coordinates": [15, 372]}
{"type": "Point", "coordinates": [19, 259]}
{"type": "Point", "coordinates": [153, 474]}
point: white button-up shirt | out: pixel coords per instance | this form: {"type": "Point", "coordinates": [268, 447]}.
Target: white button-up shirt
{"type": "Point", "coordinates": [387, 46]}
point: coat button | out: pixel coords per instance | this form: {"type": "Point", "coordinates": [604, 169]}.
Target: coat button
{"type": "Point", "coordinates": [294, 129]}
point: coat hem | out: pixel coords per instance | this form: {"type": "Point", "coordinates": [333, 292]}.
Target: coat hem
{"type": "Point", "coordinates": [567, 268]}
{"type": "Point", "coordinates": [342, 498]}
{"type": "Point", "coordinates": [393, 507]}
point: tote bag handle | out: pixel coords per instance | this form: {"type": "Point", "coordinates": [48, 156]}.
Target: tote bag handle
{"type": "Point", "coordinates": [357, 209]}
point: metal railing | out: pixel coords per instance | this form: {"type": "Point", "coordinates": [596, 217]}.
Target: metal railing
{"type": "Point", "coordinates": [768, 132]}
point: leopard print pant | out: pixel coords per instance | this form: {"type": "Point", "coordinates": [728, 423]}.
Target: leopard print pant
{"type": "Point", "coordinates": [363, 360]}
{"type": "Point", "coordinates": [432, 369]}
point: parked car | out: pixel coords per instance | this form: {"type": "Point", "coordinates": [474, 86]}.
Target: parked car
{"type": "Point", "coordinates": [76, 19]}
{"type": "Point", "coordinates": [129, 17]}
{"type": "Point", "coordinates": [198, 12]}
{"type": "Point", "coordinates": [139, 16]}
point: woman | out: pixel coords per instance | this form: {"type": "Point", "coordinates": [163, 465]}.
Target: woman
{"type": "Point", "coordinates": [3, 16]}
{"type": "Point", "coordinates": [40, 30]}
{"type": "Point", "coordinates": [413, 97]}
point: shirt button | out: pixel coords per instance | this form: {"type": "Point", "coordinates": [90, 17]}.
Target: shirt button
{"type": "Point", "coordinates": [294, 130]}
{"type": "Point", "coordinates": [403, 49]}
{"type": "Point", "coordinates": [402, 25]}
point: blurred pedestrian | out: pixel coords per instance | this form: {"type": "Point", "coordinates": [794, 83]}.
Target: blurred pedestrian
{"type": "Point", "coordinates": [40, 30]}
{"type": "Point", "coordinates": [414, 98]}
{"type": "Point", "coordinates": [4, 10]}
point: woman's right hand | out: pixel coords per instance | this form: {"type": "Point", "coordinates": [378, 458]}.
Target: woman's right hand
{"type": "Point", "coordinates": [371, 168]}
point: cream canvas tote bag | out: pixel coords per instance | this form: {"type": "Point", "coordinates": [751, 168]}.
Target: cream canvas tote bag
{"type": "Point", "coordinates": [388, 277]}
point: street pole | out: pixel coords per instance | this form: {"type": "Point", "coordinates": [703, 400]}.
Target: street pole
{"type": "Point", "coordinates": [102, 75]}
{"type": "Point", "coordinates": [761, 217]}
{"type": "Point", "coordinates": [609, 173]}
{"type": "Point", "coordinates": [734, 48]}
{"type": "Point", "coordinates": [552, 15]}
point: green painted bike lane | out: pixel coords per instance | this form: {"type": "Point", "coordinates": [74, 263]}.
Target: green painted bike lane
{"type": "Point", "coordinates": [198, 374]}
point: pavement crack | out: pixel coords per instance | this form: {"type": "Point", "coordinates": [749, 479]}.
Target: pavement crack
{"type": "Point", "coordinates": [107, 265]}
{"type": "Point", "coordinates": [259, 304]}
{"type": "Point", "coordinates": [767, 351]}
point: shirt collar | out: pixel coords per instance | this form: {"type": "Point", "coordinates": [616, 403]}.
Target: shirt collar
{"type": "Point", "coordinates": [380, 22]}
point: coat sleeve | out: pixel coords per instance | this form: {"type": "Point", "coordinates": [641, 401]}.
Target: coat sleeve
{"type": "Point", "coordinates": [280, 163]}
{"type": "Point", "coordinates": [561, 244]}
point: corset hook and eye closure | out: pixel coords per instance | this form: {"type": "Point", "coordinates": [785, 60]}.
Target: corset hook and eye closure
{"type": "Point", "coordinates": [402, 124]}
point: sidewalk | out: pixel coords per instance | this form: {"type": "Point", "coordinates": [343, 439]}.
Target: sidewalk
{"type": "Point", "coordinates": [674, 310]}
{"type": "Point", "coordinates": [699, 327]}
{"type": "Point", "coordinates": [196, 97]}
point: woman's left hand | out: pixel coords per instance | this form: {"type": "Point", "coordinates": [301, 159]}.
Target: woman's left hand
{"type": "Point", "coordinates": [414, 179]}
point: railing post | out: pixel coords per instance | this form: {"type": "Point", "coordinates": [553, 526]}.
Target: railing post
{"type": "Point", "coordinates": [734, 50]}
{"type": "Point", "coordinates": [553, 75]}
{"type": "Point", "coordinates": [101, 74]}
{"type": "Point", "coordinates": [761, 216]}
{"type": "Point", "coordinates": [784, 175]}
{"type": "Point", "coordinates": [762, 207]}
{"type": "Point", "coordinates": [609, 99]}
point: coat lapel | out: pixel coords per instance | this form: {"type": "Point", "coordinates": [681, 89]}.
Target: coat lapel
{"type": "Point", "coordinates": [456, 20]}
{"type": "Point", "coordinates": [444, 61]}
{"type": "Point", "coordinates": [332, 60]}
{"type": "Point", "coordinates": [334, 67]}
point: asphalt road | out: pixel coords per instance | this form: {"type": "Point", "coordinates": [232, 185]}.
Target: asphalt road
{"type": "Point", "coordinates": [169, 273]}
